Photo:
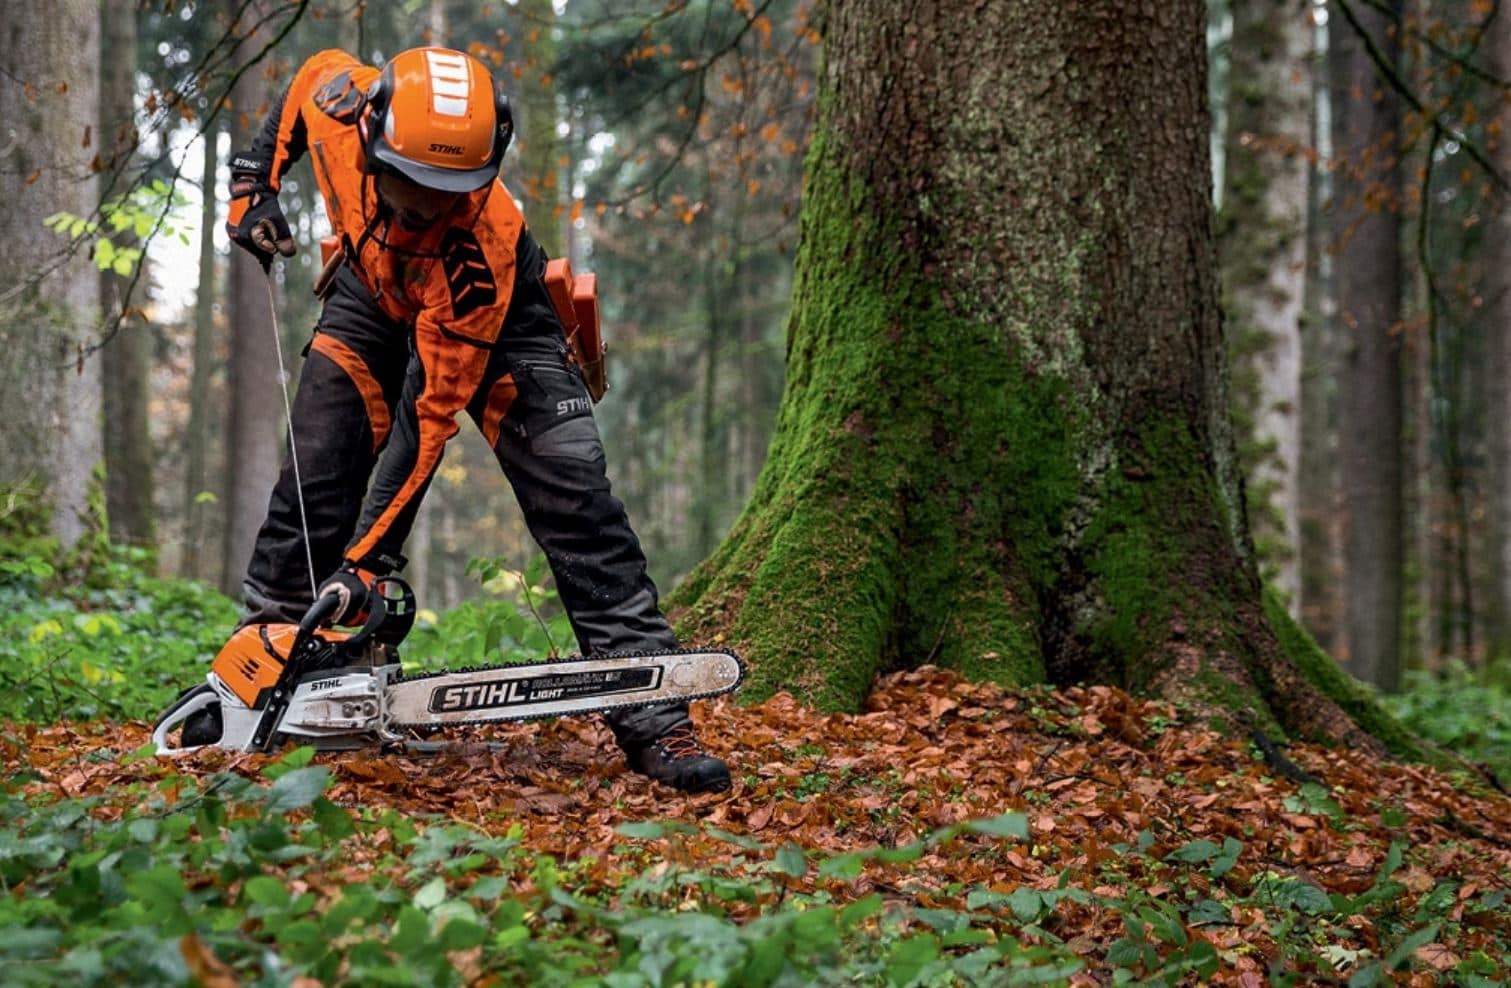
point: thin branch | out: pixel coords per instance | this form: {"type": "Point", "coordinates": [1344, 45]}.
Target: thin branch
{"type": "Point", "coordinates": [1463, 61]}
{"type": "Point", "coordinates": [1388, 73]}
{"type": "Point", "coordinates": [162, 216]}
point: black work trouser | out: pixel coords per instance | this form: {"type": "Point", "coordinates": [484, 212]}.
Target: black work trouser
{"type": "Point", "coordinates": [547, 444]}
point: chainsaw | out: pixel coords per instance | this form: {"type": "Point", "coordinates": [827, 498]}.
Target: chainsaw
{"type": "Point", "coordinates": [337, 690]}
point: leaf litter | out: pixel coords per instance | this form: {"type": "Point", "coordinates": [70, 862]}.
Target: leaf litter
{"type": "Point", "coordinates": [1117, 823]}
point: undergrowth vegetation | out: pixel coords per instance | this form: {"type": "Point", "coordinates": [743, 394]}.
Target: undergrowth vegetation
{"type": "Point", "coordinates": [259, 878]}
{"type": "Point", "coordinates": [953, 834]}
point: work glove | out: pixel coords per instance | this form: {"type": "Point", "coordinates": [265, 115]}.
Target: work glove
{"type": "Point", "coordinates": [256, 222]}
{"type": "Point", "coordinates": [350, 585]}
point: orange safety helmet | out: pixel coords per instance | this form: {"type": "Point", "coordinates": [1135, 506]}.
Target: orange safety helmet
{"type": "Point", "coordinates": [435, 116]}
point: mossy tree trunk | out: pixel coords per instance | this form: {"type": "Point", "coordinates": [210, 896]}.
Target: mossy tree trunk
{"type": "Point", "coordinates": [1004, 444]}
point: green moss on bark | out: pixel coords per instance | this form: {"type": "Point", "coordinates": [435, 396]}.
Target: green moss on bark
{"type": "Point", "coordinates": [1319, 670]}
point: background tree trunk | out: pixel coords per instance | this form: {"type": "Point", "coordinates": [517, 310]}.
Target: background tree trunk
{"type": "Point", "coordinates": [197, 516]}
{"type": "Point", "coordinates": [540, 148]}
{"type": "Point", "coordinates": [126, 360]}
{"type": "Point", "coordinates": [1004, 443]}
{"type": "Point", "coordinates": [49, 301]}
{"type": "Point", "coordinates": [1366, 207]}
{"type": "Point", "coordinates": [1262, 244]}
{"type": "Point", "coordinates": [1497, 293]}
{"type": "Point", "coordinates": [255, 410]}
{"type": "Point", "coordinates": [1321, 536]}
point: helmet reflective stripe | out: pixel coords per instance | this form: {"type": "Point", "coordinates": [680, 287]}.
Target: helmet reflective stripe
{"type": "Point", "coordinates": [450, 82]}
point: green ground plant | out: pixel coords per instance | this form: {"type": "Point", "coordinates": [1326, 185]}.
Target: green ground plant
{"type": "Point", "coordinates": [119, 644]}
{"type": "Point", "coordinates": [268, 879]}
{"type": "Point", "coordinates": [1465, 710]}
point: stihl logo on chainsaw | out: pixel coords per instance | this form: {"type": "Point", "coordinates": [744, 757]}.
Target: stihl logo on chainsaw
{"type": "Point", "coordinates": [493, 693]}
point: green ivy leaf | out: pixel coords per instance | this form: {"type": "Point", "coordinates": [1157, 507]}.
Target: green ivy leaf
{"type": "Point", "coordinates": [298, 758]}
{"type": "Point", "coordinates": [265, 891]}
{"type": "Point", "coordinates": [1007, 825]}
{"type": "Point", "coordinates": [297, 789]}
{"type": "Point", "coordinates": [1196, 852]}
{"type": "Point", "coordinates": [909, 957]}
{"type": "Point", "coordinates": [431, 894]}
{"type": "Point", "coordinates": [789, 860]}
{"type": "Point", "coordinates": [1401, 956]}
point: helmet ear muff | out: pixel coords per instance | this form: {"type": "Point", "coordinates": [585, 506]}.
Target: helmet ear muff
{"type": "Point", "coordinates": [503, 118]}
{"type": "Point", "coordinates": [375, 117]}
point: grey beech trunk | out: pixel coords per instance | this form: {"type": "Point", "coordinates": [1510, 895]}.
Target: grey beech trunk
{"type": "Point", "coordinates": [50, 446]}
{"type": "Point", "coordinates": [255, 409]}
{"type": "Point", "coordinates": [126, 359]}
{"type": "Point", "coordinates": [1004, 443]}
{"type": "Point", "coordinates": [1262, 244]}
{"type": "Point", "coordinates": [197, 438]}
{"type": "Point", "coordinates": [1366, 214]}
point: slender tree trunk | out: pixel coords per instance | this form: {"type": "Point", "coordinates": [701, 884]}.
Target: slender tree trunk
{"type": "Point", "coordinates": [710, 461]}
{"type": "Point", "coordinates": [348, 20]}
{"type": "Point", "coordinates": [50, 446]}
{"type": "Point", "coordinates": [1263, 249]}
{"type": "Point", "coordinates": [540, 148]}
{"type": "Point", "coordinates": [126, 361]}
{"type": "Point", "coordinates": [1004, 445]}
{"type": "Point", "coordinates": [255, 413]}
{"type": "Point", "coordinates": [1321, 568]}
{"type": "Point", "coordinates": [1497, 293]}
{"type": "Point", "coordinates": [198, 432]}
{"type": "Point", "coordinates": [437, 24]}
{"type": "Point", "coordinates": [1366, 212]}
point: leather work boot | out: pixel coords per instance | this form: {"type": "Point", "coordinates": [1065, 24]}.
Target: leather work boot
{"type": "Point", "coordinates": [678, 760]}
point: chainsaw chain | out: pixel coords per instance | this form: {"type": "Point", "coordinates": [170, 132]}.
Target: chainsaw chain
{"type": "Point", "coordinates": [526, 718]}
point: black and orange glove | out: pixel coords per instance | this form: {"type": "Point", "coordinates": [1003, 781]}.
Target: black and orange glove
{"type": "Point", "coordinates": [351, 586]}
{"type": "Point", "coordinates": [256, 222]}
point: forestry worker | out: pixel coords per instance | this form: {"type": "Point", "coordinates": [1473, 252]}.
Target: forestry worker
{"type": "Point", "coordinates": [438, 308]}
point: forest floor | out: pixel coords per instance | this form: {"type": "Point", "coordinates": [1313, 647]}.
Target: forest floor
{"type": "Point", "coordinates": [1113, 840]}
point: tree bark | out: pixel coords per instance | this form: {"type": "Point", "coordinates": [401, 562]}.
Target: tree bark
{"type": "Point", "coordinates": [540, 148]}
{"type": "Point", "coordinates": [126, 360]}
{"type": "Point", "coordinates": [1366, 215]}
{"type": "Point", "coordinates": [1262, 244]}
{"type": "Point", "coordinates": [1497, 292]}
{"type": "Point", "coordinates": [1321, 537]}
{"type": "Point", "coordinates": [255, 409]}
{"type": "Point", "coordinates": [198, 432]}
{"type": "Point", "coordinates": [1004, 444]}
{"type": "Point", "coordinates": [50, 446]}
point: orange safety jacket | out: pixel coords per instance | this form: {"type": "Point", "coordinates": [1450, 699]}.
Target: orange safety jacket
{"type": "Point", "coordinates": [451, 283]}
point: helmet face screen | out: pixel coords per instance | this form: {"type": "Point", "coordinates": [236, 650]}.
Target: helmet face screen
{"type": "Point", "coordinates": [414, 206]}
{"type": "Point", "coordinates": [440, 123]}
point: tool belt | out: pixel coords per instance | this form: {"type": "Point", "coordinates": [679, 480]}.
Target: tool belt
{"type": "Point", "coordinates": [576, 302]}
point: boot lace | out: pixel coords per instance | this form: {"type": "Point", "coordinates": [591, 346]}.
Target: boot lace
{"type": "Point", "coordinates": [681, 742]}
